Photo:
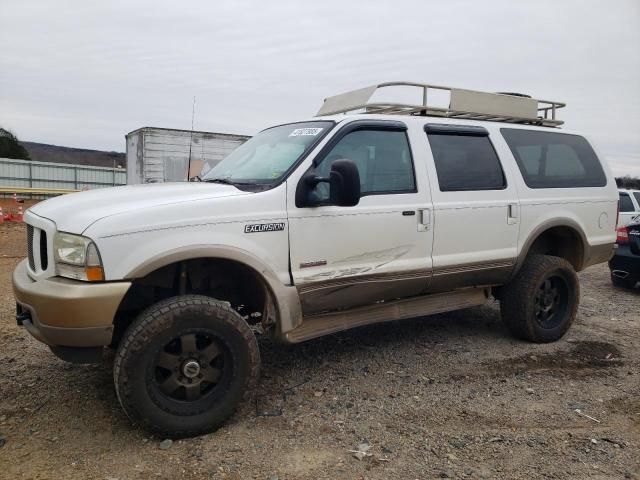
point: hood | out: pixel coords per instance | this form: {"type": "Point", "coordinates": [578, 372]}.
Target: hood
{"type": "Point", "coordinates": [75, 212]}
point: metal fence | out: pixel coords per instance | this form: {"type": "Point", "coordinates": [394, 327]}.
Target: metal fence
{"type": "Point", "coordinates": [44, 176]}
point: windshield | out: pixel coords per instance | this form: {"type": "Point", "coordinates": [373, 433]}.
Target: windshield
{"type": "Point", "coordinates": [268, 157]}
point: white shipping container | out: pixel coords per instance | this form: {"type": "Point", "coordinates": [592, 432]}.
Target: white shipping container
{"type": "Point", "coordinates": [156, 155]}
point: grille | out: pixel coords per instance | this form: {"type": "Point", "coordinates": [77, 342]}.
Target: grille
{"type": "Point", "coordinates": [37, 251]}
{"type": "Point", "coordinates": [30, 234]}
{"type": "Point", "coordinates": [44, 259]}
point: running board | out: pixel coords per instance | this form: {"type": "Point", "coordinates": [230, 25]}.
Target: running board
{"type": "Point", "coordinates": [314, 326]}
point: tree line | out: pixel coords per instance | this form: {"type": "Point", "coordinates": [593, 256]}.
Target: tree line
{"type": "Point", "coordinates": [628, 181]}
{"type": "Point", "coordinates": [10, 146]}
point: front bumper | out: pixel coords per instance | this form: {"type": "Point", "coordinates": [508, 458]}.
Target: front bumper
{"type": "Point", "coordinates": [67, 313]}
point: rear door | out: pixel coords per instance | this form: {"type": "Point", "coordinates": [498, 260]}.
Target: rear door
{"type": "Point", "coordinates": [475, 207]}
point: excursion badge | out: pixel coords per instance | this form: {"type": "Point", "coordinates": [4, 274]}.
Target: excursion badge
{"type": "Point", "coordinates": [263, 227]}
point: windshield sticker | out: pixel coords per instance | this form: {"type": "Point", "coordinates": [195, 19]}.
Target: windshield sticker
{"type": "Point", "coordinates": [264, 227]}
{"type": "Point", "coordinates": [301, 132]}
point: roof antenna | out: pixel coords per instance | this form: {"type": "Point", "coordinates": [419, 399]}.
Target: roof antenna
{"type": "Point", "coordinates": [193, 114]}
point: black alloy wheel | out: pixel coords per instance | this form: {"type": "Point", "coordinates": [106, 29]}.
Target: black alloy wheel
{"type": "Point", "coordinates": [191, 366]}
{"type": "Point", "coordinates": [550, 302]}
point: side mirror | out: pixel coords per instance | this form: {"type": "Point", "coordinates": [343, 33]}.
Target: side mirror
{"type": "Point", "coordinates": [344, 183]}
{"type": "Point", "coordinates": [344, 186]}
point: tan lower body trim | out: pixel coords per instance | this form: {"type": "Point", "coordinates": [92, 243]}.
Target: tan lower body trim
{"type": "Point", "coordinates": [69, 337]}
{"type": "Point", "coordinates": [319, 325]}
{"type": "Point", "coordinates": [470, 275]}
{"type": "Point", "coordinates": [65, 308]}
{"type": "Point", "coordinates": [360, 290]}
{"type": "Point", "coordinates": [599, 254]}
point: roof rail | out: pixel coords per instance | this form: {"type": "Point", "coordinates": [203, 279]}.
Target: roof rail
{"type": "Point", "coordinates": [464, 104]}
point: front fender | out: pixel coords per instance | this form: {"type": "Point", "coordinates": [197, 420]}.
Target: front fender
{"type": "Point", "coordinates": [285, 297]}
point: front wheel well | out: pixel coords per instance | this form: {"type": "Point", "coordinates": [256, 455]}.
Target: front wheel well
{"type": "Point", "coordinates": [223, 279]}
{"type": "Point", "coordinates": [561, 241]}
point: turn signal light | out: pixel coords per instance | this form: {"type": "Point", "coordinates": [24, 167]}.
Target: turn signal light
{"type": "Point", "coordinates": [94, 274]}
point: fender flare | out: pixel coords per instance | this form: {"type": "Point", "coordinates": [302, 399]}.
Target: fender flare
{"type": "Point", "coordinates": [285, 297]}
{"type": "Point", "coordinates": [543, 227]}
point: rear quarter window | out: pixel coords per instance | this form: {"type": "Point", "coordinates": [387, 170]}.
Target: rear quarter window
{"type": "Point", "coordinates": [554, 160]}
{"type": "Point", "coordinates": [626, 205]}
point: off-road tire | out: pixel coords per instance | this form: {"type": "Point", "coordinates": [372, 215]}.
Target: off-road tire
{"type": "Point", "coordinates": [519, 306]}
{"type": "Point", "coordinates": [192, 316]}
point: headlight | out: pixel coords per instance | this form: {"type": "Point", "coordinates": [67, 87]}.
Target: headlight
{"type": "Point", "coordinates": [77, 257]}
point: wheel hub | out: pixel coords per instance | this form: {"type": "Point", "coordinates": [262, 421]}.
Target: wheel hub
{"type": "Point", "coordinates": [551, 301]}
{"type": "Point", "coordinates": [191, 368]}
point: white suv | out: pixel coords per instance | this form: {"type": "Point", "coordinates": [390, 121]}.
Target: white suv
{"type": "Point", "coordinates": [629, 206]}
{"type": "Point", "coordinates": [315, 227]}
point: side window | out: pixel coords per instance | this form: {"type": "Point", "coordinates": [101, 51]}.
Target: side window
{"type": "Point", "coordinates": [637, 195]}
{"type": "Point", "coordinates": [562, 161]}
{"type": "Point", "coordinates": [466, 162]}
{"type": "Point", "coordinates": [383, 159]}
{"type": "Point", "coordinates": [554, 160]}
{"type": "Point", "coordinates": [626, 205]}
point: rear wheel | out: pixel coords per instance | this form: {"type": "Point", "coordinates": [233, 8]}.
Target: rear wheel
{"type": "Point", "coordinates": [184, 365]}
{"type": "Point", "coordinates": [541, 302]}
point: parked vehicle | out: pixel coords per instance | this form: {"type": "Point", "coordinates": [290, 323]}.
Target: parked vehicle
{"type": "Point", "coordinates": [625, 264]}
{"type": "Point", "coordinates": [629, 206]}
{"type": "Point", "coordinates": [314, 227]}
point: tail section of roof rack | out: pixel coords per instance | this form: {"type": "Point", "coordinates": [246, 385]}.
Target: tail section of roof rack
{"type": "Point", "coordinates": [463, 104]}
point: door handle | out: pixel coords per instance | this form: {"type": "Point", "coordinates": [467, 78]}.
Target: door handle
{"type": "Point", "coordinates": [512, 213]}
{"type": "Point", "coordinates": [424, 219]}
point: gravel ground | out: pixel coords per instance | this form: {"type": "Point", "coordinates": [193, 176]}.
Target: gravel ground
{"type": "Point", "coordinates": [447, 396]}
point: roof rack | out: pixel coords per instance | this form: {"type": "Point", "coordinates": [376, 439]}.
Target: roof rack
{"type": "Point", "coordinates": [464, 104]}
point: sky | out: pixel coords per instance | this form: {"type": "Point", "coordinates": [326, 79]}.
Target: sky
{"type": "Point", "coordinates": [83, 74]}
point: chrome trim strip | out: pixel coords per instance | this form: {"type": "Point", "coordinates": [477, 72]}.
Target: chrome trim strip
{"type": "Point", "coordinates": [472, 267]}
{"type": "Point", "coordinates": [361, 279]}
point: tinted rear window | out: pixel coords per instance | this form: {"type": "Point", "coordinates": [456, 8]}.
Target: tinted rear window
{"type": "Point", "coordinates": [626, 205]}
{"type": "Point", "coordinates": [554, 160]}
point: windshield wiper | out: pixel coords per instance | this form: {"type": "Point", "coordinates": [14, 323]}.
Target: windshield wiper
{"type": "Point", "coordinates": [226, 181]}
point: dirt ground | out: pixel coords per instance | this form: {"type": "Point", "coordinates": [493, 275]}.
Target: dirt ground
{"type": "Point", "coordinates": [447, 396]}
